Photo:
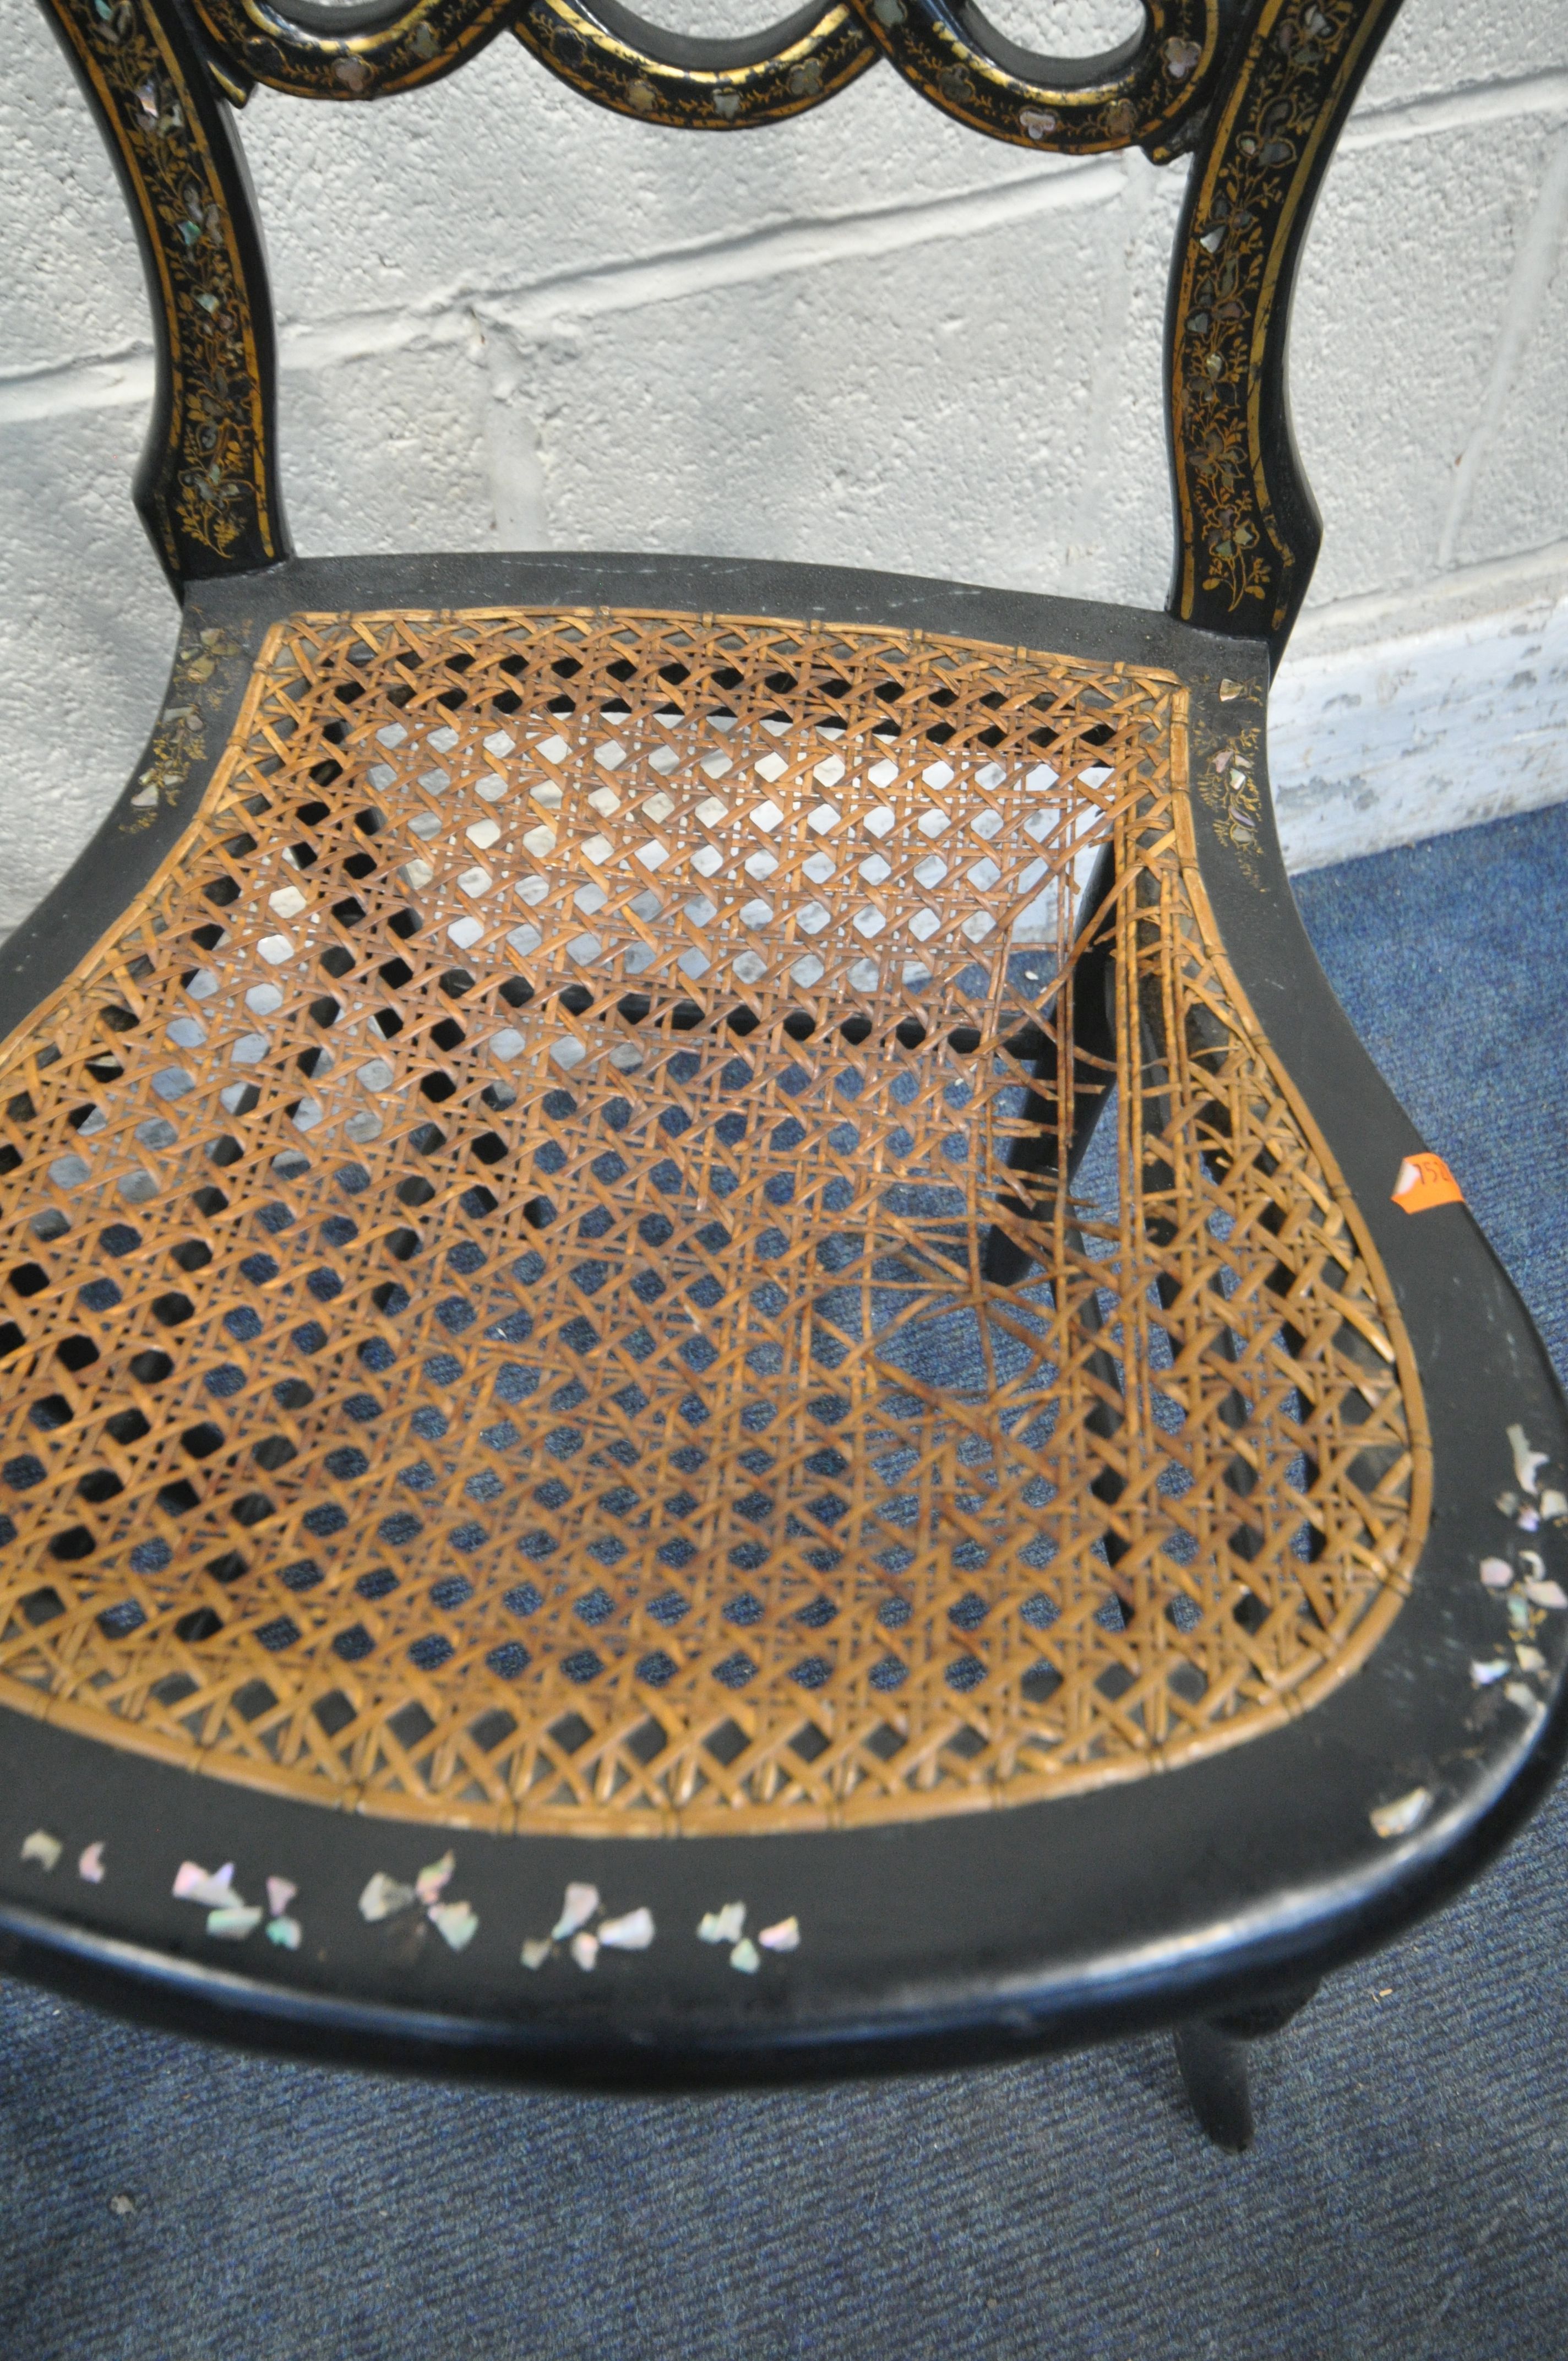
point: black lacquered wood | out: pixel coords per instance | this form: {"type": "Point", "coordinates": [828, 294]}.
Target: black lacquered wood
{"type": "Point", "coordinates": [1247, 527]}
{"type": "Point", "coordinates": [603, 52]}
{"type": "Point", "coordinates": [207, 488]}
{"type": "Point", "coordinates": [1211, 2057]}
{"type": "Point", "coordinates": [1265, 90]}
{"type": "Point", "coordinates": [1210, 1895]}
{"type": "Point", "coordinates": [1212, 1892]}
{"type": "Point", "coordinates": [1214, 2074]}
{"type": "Point", "coordinates": [1142, 92]}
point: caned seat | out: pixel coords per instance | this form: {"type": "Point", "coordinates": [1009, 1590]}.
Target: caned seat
{"type": "Point", "coordinates": [582, 1319]}
{"type": "Point", "coordinates": [653, 1199]}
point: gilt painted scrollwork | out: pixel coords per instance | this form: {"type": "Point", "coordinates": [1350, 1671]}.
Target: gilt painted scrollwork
{"type": "Point", "coordinates": [1286, 75]}
{"type": "Point", "coordinates": [1138, 94]}
{"type": "Point", "coordinates": [697, 85]}
{"type": "Point", "coordinates": [206, 488]}
{"type": "Point", "coordinates": [599, 50]}
{"type": "Point", "coordinates": [945, 48]}
{"type": "Point", "coordinates": [419, 43]}
{"type": "Point", "coordinates": [1247, 528]}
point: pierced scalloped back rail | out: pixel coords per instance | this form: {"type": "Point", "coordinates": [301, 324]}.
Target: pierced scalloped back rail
{"type": "Point", "coordinates": [496, 1328]}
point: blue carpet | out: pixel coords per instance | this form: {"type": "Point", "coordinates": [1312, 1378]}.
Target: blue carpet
{"type": "Point", "coordinates": [1405, 2198]}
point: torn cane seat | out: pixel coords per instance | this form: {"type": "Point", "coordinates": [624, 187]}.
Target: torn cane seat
{"type": "Point", "coordinates": [558, 1292]}
{"type": "Point", "coordinates": [672, 1198]}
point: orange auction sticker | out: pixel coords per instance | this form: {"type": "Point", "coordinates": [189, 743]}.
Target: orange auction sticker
{"type": "Point", "coordinates": [1425, 1182]}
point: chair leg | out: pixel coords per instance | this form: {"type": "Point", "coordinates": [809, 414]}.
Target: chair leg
{"type": "Point", "coordinates": [1211, 2056]}
{"type": "Point", "coordinates": [1214, 2071]}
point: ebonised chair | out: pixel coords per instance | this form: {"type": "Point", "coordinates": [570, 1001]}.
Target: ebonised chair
{"type": "Point", "coordinates": [554, 1298]}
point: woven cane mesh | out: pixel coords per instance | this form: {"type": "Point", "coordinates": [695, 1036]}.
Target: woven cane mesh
{"type": "Point", "coordinates": [499, 1328]}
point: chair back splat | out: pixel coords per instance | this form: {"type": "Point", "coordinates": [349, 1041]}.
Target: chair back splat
{"type": "Point", "coordinates": [649, 1198]}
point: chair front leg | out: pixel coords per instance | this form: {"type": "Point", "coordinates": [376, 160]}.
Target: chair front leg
{"type": "Point", "coordinates": [1211, 2056]}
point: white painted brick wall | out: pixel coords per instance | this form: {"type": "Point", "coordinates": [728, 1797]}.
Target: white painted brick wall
{"type": "Point", "coordinates": [512, 321]}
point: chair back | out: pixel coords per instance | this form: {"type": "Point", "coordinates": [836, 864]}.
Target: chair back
{"type": "Point", "coordinates": [1255, 90]}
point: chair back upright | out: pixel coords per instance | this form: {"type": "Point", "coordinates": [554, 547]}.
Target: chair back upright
{"type": "Point", "coordinates": [1256, 91]}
